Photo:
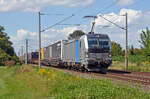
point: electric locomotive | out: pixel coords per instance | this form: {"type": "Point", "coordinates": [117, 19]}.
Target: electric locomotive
{"type": "Point", "coordinates": [91, 52]}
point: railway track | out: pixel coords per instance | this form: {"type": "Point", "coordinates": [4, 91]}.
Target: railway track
{"type": "Point", "coordinates": [131, 77]}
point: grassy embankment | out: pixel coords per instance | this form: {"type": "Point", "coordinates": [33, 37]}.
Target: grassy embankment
{"type": "Point", "coordinates": [33, 83]}
{"type": "Point", "coordinates": [136, 63]}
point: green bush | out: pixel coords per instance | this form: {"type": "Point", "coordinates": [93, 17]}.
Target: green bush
{"type": "Point", "coordinates": [131, 58]}
{"type": "Point", "coordinates": [4, 58]}
{"type": "Point", "coordinates": [118, 58]}
{"type": "Point", "coordinates": [10, 63]}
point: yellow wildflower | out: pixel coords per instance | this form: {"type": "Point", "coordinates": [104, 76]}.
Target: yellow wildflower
{"type": "Point", "coordinates": [54, 75]}
{"type": "Point", "coordinates": [42, 71]}
{"type": "Point", "coordinates": [52, 71]}
{"type": "Point", "coordinates": [48, 73]}
{"type": "Point", "coordinates": [78, 78]}
{"type": "Point", "coordinates": [70, 78]}
{"type": "Point", "coordinates": [146, 62]}
{"type": "Point", "coordinates": [48, 79]}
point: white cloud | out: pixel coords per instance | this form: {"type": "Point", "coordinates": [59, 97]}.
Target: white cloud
{"type": "Point", "coordinates": [48, 37]}
{"type": "Point", "coordinates": [136, 21]}
{"type": "Point", "coordinates": [54, 35]}
{"type": "Point", "coordinates": [36, 5]}
{"type": "Point", "coordinates": [22, 34]}
{"type": "Point", "coordinates": [125, 2]}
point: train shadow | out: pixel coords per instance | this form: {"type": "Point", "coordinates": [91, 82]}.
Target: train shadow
{"type": "Point", "coordinates": [118, 71]}
{"type": "Point", "coordinates": [114, 71]}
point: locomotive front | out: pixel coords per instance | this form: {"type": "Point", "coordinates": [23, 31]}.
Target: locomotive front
{"type": "Point", "coordinates": [98, 52]}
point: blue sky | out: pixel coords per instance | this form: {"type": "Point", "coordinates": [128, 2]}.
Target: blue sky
{"type": "Point", "coordinates": [20, 19]}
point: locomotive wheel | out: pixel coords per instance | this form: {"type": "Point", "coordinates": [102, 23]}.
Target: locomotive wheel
{"type": "Point", "coordinates": [85, 70]}
{"type": "Point", "coordinates": [82, 68]}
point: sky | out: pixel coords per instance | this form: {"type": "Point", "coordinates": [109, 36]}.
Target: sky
{"type": "Point", "coordinates": [20, 19]}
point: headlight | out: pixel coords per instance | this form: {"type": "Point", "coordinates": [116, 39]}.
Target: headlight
{"type": "Point", "coordinates": [86, 55]}
{"type": "Point", "coordinates": [110, 55]}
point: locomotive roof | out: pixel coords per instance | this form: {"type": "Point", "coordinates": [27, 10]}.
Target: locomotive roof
{"type": "Point", "coordinates": [98, 35]}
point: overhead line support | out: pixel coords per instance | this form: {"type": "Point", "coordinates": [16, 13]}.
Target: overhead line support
{"type": "Point", "coordinates": [126, 52]}
{"type": "Point", "coordinates": [126, 29]}
{"type": "Point", "coordinates": [26, 60]}
{"type": "Point", "coordinates": [39, 15]}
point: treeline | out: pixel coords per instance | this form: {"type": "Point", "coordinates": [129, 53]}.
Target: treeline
{"type": "Point", "coordinates": [136, 55]}
{"type": "Point", "coordinates": [7, 54]}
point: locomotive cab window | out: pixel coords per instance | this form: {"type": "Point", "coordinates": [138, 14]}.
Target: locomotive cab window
{"type": "Point", "coordinates": [92, 42]}
{"type": "Point", "coordinates": [103, 43]}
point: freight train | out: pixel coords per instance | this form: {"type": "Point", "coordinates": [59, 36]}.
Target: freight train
{"type": "Point", "coordinates": [90, 52]}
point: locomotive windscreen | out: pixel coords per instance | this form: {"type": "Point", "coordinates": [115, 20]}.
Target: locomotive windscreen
{"type": "Point", "coordinates": [103, 43]}
{"type": "Point", "coordinates": [92, 42]}
{"type": "Point", "coordinates": [98, 44]}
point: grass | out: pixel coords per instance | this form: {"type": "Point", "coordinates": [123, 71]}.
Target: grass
{"type": "Point", "coordinates": [32, 83]}
{"type": "Point", "coordinates": [136, 63]}
{"type": "Point", "coordinates": [132, 66]}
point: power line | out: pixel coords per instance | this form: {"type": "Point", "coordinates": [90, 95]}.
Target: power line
{"type": "Point", "coordinates": [50, 14]}
{"type": "Point", "coordinates": [107, 7]}
{"type": "Point", "coordinates": [57, 23]}
{"type": "Point", "coordinates": [146, 11]}
{"type": "Point", "coordinates": [126, 29]}
{"type": "Point", "coordinates": [112, 22]}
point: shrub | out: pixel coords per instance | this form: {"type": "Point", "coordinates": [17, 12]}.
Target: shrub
{"type": "Point", "coordinates": [138, 63]}
{"type": "Point", "coordinates": [3, 57]}
{"type": "Point", "coordinates": [10, 63]}
{"type": "Point", "coordinates": [23, 69]}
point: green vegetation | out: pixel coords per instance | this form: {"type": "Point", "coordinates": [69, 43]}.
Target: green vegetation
{"type": "Point", "coordinates": [116, 49]}
{"type": "Point", "coordinates": [132, 58]}
{"type": "Point", "coordinates": [139, 59]}
{"type": "Point", "coordinates": [145, 43]}
{"type": "Point", "coordinates": [139, 66]}
{"type": "Point", "coordinates": [6, 50]}
{"type": "Point", "coordinates": [32, 83]}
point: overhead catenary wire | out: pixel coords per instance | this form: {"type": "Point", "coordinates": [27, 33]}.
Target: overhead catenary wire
{"type": "Point", "coordinates": [50, 14]}
{"type": "Point", "coordinates": [57, 23]}
{"type": "Point", "coordinates": [107, 7]}
{"type": "Point", "coordinates": [112, 22]}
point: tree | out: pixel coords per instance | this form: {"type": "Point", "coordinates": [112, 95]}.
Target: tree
{"type": "Point", "coordinates": [5, 44]}
{"type": "Point", "coordinates": [6, 49]}
{"type": "Point", "coordinates": [145, 43]}
{"type": "Point", "coordinates": [76, 33]}
{"type": "Point", "coordinates": [131, 50]}
{"type": "Point", "coordinates": [116, 49]}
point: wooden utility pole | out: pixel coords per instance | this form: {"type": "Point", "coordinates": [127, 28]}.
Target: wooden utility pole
{"type": "Point", "coordinates": [39, 39]}
{"type": "Point", "coordinates": [22, 56]}
{"type": "Point", "coordinates": [39, 19]}
{"type": "Point", "coordinates": [26, 60]}
{"type": "Point", "coordinates": [126, 52]}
